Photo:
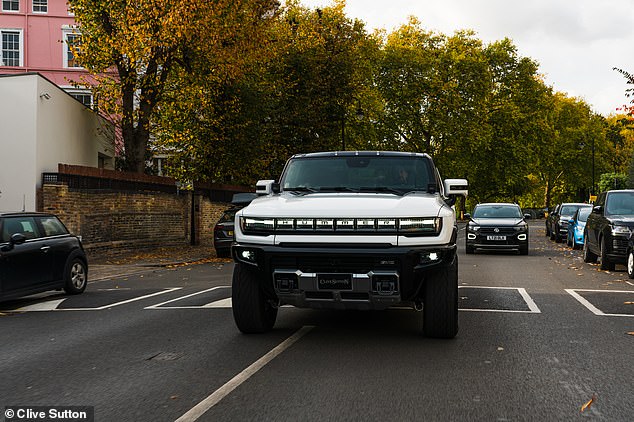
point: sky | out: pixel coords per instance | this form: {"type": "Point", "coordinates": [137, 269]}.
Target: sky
{"type": "Point", "coordinates": [577, 43]}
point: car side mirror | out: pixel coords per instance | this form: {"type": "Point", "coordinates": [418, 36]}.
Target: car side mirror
{"type": "Point", "coordinates": [467, 215]}
{"type": "Point", "coordinates": [571, 221]}
{"type": "Point", "coordinates": [17, 239]}
{"type": "Point", "coordinates": [527, 216]}
{"type": "Point", "coordinates": [598, 209]}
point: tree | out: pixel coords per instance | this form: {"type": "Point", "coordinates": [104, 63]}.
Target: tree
{"type": "Point", "coordinates": [132, 50]}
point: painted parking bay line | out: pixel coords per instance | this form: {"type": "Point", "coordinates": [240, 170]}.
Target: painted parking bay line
{"type": "Point", "coordinates": [197, 411]}
{"type": "Point", "coordinates": [594, 297]}
{"type": "Point", "coordinates": [528, 304]}
{"type": "Point", "coordinates": [53, 305]}
{"type": "Point", "coordinates": [188, 299]}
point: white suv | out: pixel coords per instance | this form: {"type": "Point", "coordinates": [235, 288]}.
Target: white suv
{"type": "Point", "coordinates": [349, 230]}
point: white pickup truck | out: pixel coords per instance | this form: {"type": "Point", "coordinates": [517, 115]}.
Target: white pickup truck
{"type": "Point", "coordinates": [349, 230]}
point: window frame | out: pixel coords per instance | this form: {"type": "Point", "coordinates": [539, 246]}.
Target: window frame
{"type": "Point", "coordinates": [39, 12]}
{"type": "Point", "coordinates": [11, 10]}
{"type": "Point", "coordinates": [66, 32]}
{"type": "Point", "coordinates": [20, 33]}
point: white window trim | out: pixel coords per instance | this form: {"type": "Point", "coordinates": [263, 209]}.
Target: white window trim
{"type": "Point", "coordinates": [74, 90]}
{"type": "Point", "coordinates": [66, 30]}
{"type": "Point", "coordinates": [9, 11]}
{"type": "Point", "coordinates": [39, 12]}
{"type": "Point", "coordinates": [20, 31]}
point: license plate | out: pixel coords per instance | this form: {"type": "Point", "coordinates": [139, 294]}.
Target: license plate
{"type": "Point", "coordinates": [334, 281]}
{"type": "Point", "coordinates": [230, 233]}
{"type": "Point", "coordinates": [496, 237]}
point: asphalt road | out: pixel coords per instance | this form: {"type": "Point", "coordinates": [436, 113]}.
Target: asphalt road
{"type": "Point", "coordinates": [540, 336]}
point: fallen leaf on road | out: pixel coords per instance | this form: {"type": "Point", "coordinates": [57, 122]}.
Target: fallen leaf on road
{"type": "Point", "coordinates": [631, 333]}
{"type": "Point", "coordinates": [500, 349]}
{"type": "Point", "coordinates": [628, 303]}
{"type": "Point", "coordinates": [588, 403]}
{"type": "Point", "coordinates": [174, 397]}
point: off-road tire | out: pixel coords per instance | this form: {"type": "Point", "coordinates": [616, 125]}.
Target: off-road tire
{"type": "Point", "coordinates": [606, 263]}
{"type": "Point", "coordinates": [588, 256]}
{"type": "Point", "coordinates": [253, 312]}
{"type": "Point", "coordinates": [440, 309]}
{"type": "Point", "coordinates": [75, 276]}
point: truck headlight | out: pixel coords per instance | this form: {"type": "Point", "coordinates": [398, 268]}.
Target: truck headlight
{"type": "Point", "coordinates": [621, 230]}
{"type": "Point", "coordinates": [420, 225]}
{"type": "Point", "coordinates": [257, 225]}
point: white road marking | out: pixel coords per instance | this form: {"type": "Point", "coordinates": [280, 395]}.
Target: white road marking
{"type": "Point", "coordinates": [532, 306]}
{"type": "Point", "coordinates": [629, 282]}
{"type": "Point", "coordinates": [590, 306]}
{"type": "Point", "coordinates": [49, 305]}
{"type": "Point", "coordinates": [214, 398]}
{"type": "Point", "coordinates": [223, 303]}
{"type": "Point", "coordinates": [160, 305]}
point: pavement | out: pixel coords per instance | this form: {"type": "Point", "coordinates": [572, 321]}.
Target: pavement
{"type": "Point", "coordinates": [101, 267]}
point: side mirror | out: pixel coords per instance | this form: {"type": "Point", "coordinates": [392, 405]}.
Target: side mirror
{"type": "Point", "coordinates": [598, 209]}
{"type": "Point", "coordinates": [265, 187]}
{"type": "Point", "coordinates": [527, 216]}
{"type": "Point", "coordinates": [15, 239]}
{"type": "Point", "coordinates": [467, 216]}
{"type": "Point", "coordinates": [455, 187]}
{"type": "Point", "coordinates": [571, 221]}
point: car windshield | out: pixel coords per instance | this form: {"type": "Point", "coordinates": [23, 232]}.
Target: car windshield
{"type": "Point", "coordinates": [584, 213]}
{"type": "Point", "coordinates": [497, 211]}
{"type": "Point", "coordinates": [385, 174]}
{"type": "Point", "coordinates": [569, 210]}
{"type": "Point", "coordinates": [620, 203]}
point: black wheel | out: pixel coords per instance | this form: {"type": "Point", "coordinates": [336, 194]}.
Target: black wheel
{"type": "Point", "coordinates": [469, 249]}
{"type": "Point", "coordinates": [223, 253]}
{"type": "Point", "coordinates": [630, 264]}
{"type": "Point", "coordinates": [547, 231]}
{"type": "Point", "coordinates": [569, 242]}
{"type": "Point", "coordinates": [253, 312]}
{"type": "Point", "coordinates": [557, 235]}
{"type": "Point", "coordinates": [552, 235]}
{"type": "Point", "coordinates": [440, 309]}
{"type": "Point", "coordinates": [606, 263]}
{"type": "Point", "coordinates": [75, 276]}
{"type": "Point", "coordinates": [524, 249]}
{"type": "Point", "coordinates": [588, 256]}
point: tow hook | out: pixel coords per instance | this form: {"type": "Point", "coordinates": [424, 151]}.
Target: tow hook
{"type": "Point", "coordinates": [418, 305]}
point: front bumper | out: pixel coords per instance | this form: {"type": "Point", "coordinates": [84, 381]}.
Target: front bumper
{"type": "Point", "coordinates": [514, 241]}
{"type": "Point", "coordinates": [344, 277]}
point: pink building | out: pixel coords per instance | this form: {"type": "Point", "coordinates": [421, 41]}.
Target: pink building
{"type": "Point", "coordinates": [35, 37]}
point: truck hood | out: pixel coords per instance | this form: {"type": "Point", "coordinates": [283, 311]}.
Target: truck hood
{"type": "Point", "coordinates": [499, 222]}
{"type": "Point", "coordinates": [345, 204]}
{"type": "Point", "coordinates": [622, 220]}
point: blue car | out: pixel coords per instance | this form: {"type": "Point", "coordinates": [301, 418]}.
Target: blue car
{"type": "Point", "coordinates": [576, 225]}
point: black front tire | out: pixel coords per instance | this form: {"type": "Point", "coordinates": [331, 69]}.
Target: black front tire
{"type": "Point", "coordinates": [606, 263]}
{"type": "Point", "coordinates": [75, 276]}
{"type": "Point", "coordinates": [440, 309]}
{"type": "Point", "coordinates": [223, 253]}
{"type": "Point", "coordinates": [588, 256]}
{"type": "Point", "coordinates": [253, 311]}
{"type": "Point", "coordinates": [523, 249]}
{"type": "Point", "coordinates": [469, 249]}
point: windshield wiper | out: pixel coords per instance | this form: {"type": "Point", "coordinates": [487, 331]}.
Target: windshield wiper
{"type": "Point", "coordinates": [337, 189]}
{"type": "Point", "coordinates": [382, 189]}
{"type": "Point", "coordinates": [302, 189]}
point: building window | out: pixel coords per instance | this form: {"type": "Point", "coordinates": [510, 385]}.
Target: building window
{"type": "Point", "coordinates": [72, 44]}
{"type": "Point", "coordinates": [11, 47]}
{"type": "Point", "coordinates": [10, 5]}
{"type": "Point", "coordinates": [40, 6]}
{"type": "Point", "coordinates": [82, 95]}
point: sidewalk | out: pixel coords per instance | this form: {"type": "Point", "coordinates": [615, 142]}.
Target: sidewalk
{"type": "Point", "coordinates": [103, 267]}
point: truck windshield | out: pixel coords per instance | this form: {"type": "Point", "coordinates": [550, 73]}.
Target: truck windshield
{"type": "Point", "coordinates": [620, 203]}
{"type": "Point", "coordinates": [358, 174]}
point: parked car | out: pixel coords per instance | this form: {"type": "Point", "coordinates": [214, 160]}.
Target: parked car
{"type": "Point", "coordinates": [576, 227]}
{"type": "Point", "coordinates": [37, 253]}
{"type": "Point", "coordinates": [497, 226]}
{"type": "Point", "coordinates": [557, 221]}
{"type": "Point", "coordinates": [608, 228]}
{"type": "Point", "coordinates": [224, 228]}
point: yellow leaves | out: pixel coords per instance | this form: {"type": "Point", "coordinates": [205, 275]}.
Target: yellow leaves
{"type": "Point", "coordinates": [589, 403]}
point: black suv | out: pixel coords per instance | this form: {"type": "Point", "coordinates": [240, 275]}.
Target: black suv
{"type": "Point", "coordinates": [37, 253]}
{"type": "Point", "coordinates": [609, 227]}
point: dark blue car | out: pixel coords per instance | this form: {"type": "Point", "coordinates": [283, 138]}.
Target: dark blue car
{"type": "Point", "coordinates": [576, 225]}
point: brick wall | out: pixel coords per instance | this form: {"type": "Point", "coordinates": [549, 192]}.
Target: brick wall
{"type": "Point", "coordinates": [121, 221]}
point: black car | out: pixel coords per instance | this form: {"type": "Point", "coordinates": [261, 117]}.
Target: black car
{"type": "Point", "coordinates": [497, 226]}
{"type": "Point", "coordinates": [223, 230]}
{"type": "Point", "coordinates": [557, 221]}
{"type": "Point", "coordinates": [37, 253]}
{"type": "Point", "coordinates": [608, 228]}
